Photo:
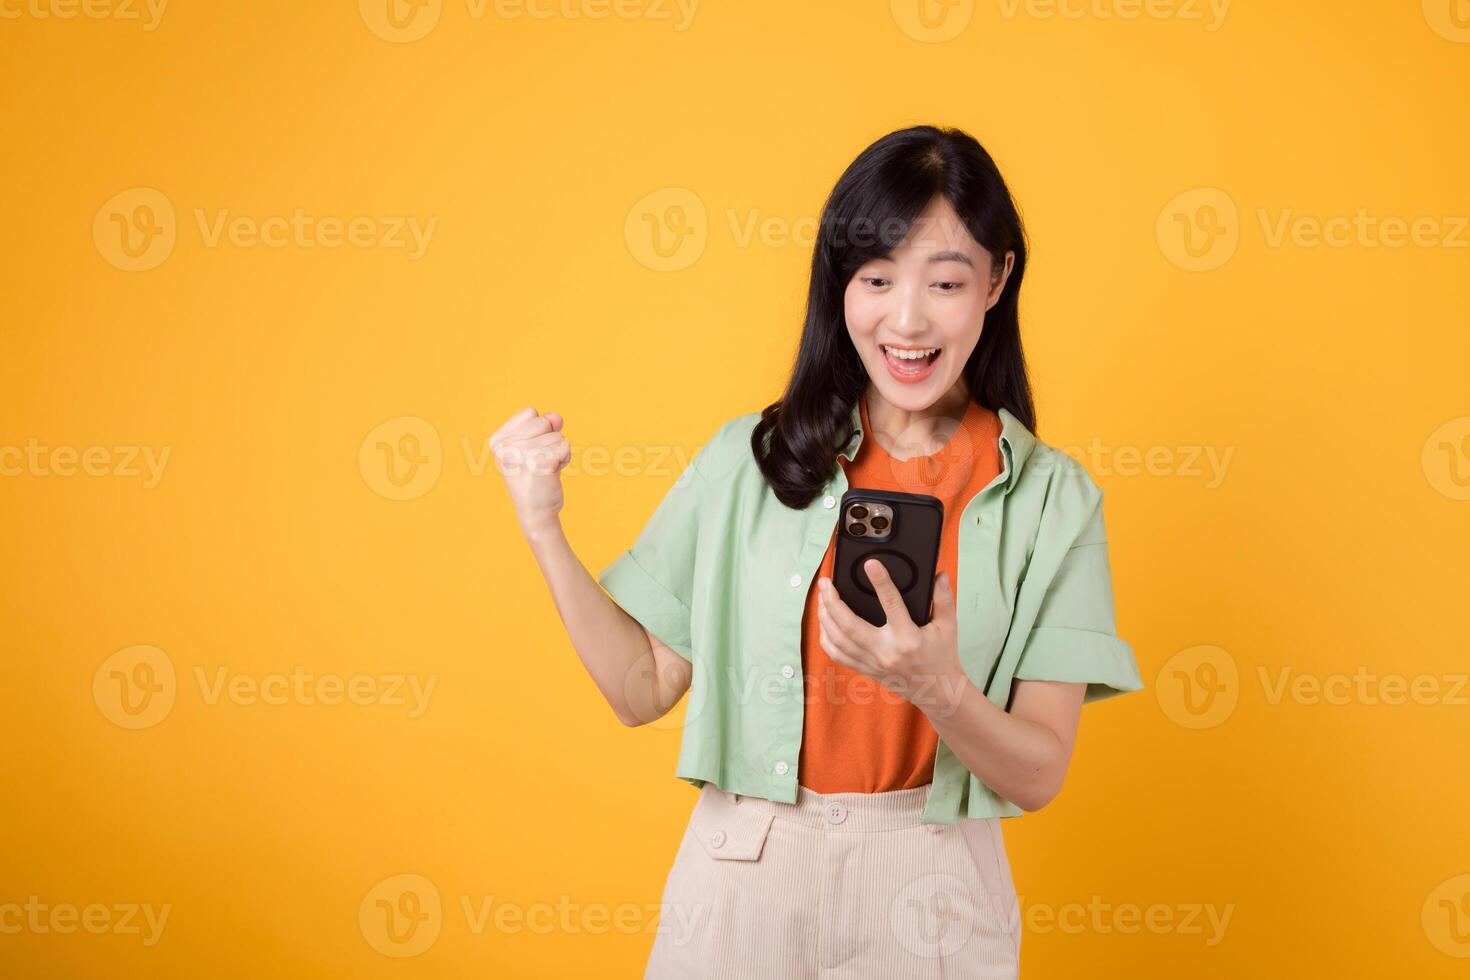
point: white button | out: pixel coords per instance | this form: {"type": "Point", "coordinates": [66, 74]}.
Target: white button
{"type": "Point", "coordinates": [836, 812]}
{"type": "Point", "coordinates": [788, 671]}
{"type": "Point", "coordinates": [829, 501]}
{"type": "Point", "coordinates": [795, 581]}
{"type": "Point", "coordinates": [781, 768]}
{"type": "Point", "coordinates": [718, 840]}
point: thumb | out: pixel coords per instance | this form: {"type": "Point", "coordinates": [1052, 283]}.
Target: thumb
{"type": "Point", "coordinates": [554, 419]}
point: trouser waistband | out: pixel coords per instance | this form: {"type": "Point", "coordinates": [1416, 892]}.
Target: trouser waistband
{"type": "Point", "coordinates": [888, 810]}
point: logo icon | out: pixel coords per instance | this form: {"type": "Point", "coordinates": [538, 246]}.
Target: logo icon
{"type": "Point", "coordinates": [402, 458]}
{"type": "Point", "coordinates": [932, 21]}
{"type": "Point", "coordinates": [934, 915]}
{"type": "Point", "coordinates": [401, 916]}
{"type": "Point", "coordinates": [641, 676]}
{"type": "Point", "coordinates": [1446, 916]}
{"type": "Point", "coordinates": [135, 687]}
{"type": "Point", "coordinates": [1450, 19]}
{"type": "Point", "coordinates": [667, 230]}
{"type": "Point", "coordinates": [1446, 458]}
{"type": "Point", "coordinates": [1198, 687]}
{"type": "Point", "coordinates": [136, 229]}
{"type": "Point", "coordinates": [400, 21]}
{"type": "Point", "coordinates": [1199, 229]}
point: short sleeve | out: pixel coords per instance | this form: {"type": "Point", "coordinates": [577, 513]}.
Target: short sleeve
{"type": "Point", "coordinates": [1075, 636]}
{"type": "Point", "coordinates": [654, 579]}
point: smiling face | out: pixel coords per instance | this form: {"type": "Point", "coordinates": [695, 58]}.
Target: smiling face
{"type": "Point", "coordinates": [915, 314]}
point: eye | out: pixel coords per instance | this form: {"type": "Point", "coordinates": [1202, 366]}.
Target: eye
{"type": "Point", "coordinates": [948, 287]}
{"type": "Point", "coordinates": [877, 282]}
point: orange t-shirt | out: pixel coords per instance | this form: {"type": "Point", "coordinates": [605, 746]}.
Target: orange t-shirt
{"type": "Point", "coordinates": [859, 736]}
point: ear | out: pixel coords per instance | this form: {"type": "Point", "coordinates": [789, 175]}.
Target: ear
{"type": "Point", "coordinates": [998, 280]}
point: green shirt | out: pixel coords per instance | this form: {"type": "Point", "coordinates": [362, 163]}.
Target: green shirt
{"type": "Point", "coordinates": [721, 571]}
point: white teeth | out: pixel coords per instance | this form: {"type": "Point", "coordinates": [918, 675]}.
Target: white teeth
{"type": "Point", "coordinates": [910, 355]}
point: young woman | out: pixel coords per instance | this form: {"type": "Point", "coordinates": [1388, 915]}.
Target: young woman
{"type": "Point", "coordinates": [853, 777]}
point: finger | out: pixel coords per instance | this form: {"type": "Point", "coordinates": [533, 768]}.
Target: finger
{"type": "Point", "coordinates": [943, 605]}
{"type": "Point", "coordinates": [511, 423]}
{"type": "Point", "coordinates": [541, 455]}
{"type": "Point", "coordinates": [556, 421]}
{"type": "Point", "coordinates": [528, 429]}
{"type": "Point", "coordinates": [842, 614]}
{"type": "Point", "coordinates": [888, 594]}
{"type": "Point", "coordinates": [835, 633]}
{"type": "Point", "coordinates": [838, 655]}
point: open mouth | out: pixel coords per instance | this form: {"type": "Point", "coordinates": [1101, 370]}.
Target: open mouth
{"type": "Point", "coordinates": [910, 363]}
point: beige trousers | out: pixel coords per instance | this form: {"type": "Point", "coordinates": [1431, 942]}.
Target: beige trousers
{"type": "Point", "coordinates": [847, 885]}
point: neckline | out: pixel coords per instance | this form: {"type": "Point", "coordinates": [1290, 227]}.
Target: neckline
{"type": "Point", "coordinates": [967, 421]}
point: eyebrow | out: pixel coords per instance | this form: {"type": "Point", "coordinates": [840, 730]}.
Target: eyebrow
{"type": "Point", "coordinates": [951, 255]}
{"type": "Point", "coordinates": [948, 255]}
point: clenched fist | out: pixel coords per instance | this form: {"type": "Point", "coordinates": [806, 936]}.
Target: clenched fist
{"type": "Point", "coordinates": [530, 452]}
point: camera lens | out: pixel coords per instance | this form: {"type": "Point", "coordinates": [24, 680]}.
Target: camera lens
{"type": "Point", "coordinates": [857, 512]}
{"type": "Point", "coordinates": [856, 529]}
{"type": "Point", "coordinates": [879, 523]}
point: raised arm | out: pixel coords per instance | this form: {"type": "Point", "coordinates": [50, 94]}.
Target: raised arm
{"type": "Point", "coordinates": [639, 676]}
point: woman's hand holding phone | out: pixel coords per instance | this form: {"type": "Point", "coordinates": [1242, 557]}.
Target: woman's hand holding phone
{"type": "Point", "coordinates": [919, 663]}
{"type": "Point", "coordinates": [530, 452]}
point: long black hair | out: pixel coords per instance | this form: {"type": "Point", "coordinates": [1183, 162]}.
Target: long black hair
{"type": "Point", "coordinates": [868, 213]}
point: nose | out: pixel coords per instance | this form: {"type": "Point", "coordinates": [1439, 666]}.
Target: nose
{"type": "Point", "coordinates": [908, 316]}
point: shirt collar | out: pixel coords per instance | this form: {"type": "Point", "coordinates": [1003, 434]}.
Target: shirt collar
{"type": "Point", "coordinates": [1016, 442]}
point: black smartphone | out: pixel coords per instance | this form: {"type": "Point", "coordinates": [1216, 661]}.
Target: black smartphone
{"type": "Point", "coordinates": [899, 529]}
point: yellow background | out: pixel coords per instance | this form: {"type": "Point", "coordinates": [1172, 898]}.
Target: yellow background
{"type": "Point", "coordinates": [1334, 376]}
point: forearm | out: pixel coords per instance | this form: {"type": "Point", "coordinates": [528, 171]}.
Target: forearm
{"type": "Point", "coordinates": [1020, 759]}
{"type": "Point", "coordinates": [613, 647]}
